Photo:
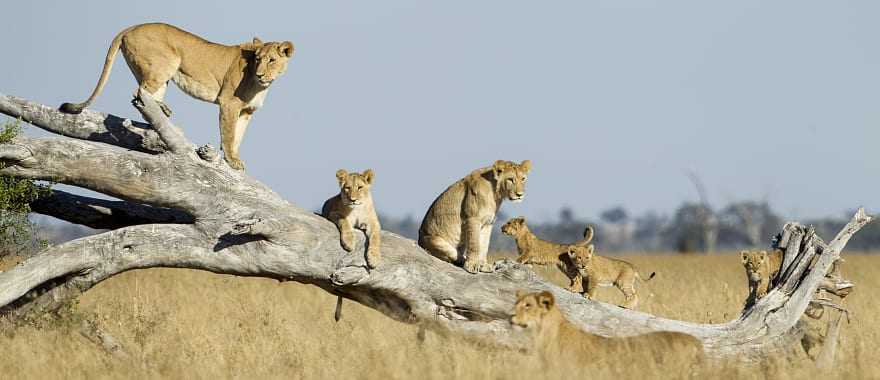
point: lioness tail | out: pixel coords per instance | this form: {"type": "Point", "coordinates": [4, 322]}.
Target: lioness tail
{"type": "Point", "coordinates": [105, 73]}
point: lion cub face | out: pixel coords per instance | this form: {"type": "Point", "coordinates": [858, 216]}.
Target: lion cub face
{"type": "Point", "coordinates": [754, 261]}
{"type": "Point", "coordinates": [513, 226]}
{"type": "Point", "coordinates": [531, 308]}
{"type": "Point", "coordinates": [354, 188]}
{"type": "Point", "coordinates": [581, 256]}
{"type": "Point", "coordinates": [510, 179]}
{"type": "Point", "coordinates": [271, 60]}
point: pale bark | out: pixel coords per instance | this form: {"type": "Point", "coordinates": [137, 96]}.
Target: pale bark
{"type": "Point", "coordinates": [188, 211]}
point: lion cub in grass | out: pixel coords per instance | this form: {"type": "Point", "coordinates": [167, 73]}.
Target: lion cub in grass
{"type": "Point", "coordinates": [353, 208]}
{"type": "Point", "coordinates": [533, 250]}
{"type": "Point", "coordinates": [556, 338]}
{"type": "Point", "coordinates": [604, 271]}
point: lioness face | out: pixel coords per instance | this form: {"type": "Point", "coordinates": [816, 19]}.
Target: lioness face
{"type": "Point", "coordinates": [513, 226]}
{"type": "Point", "coordinates": [753, 261]}
{"type": "Point", "coordinates": [581, 256]}
{"type": "Point", "coordinates": [354, 187]}
{"type": "Point", "coordinates": [531, 308]}
{"type": "Point", "coordinates": [510, 178]}
{"type": "Point", "coordinates": [271, 60]}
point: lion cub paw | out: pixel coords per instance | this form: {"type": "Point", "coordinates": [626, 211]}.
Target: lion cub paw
{"type": "Point", "coordinates": [373, 258]}
{"type": "Point", "coordinates": [345, 240]}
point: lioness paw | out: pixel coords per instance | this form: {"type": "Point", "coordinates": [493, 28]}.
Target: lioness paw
{"type": "Point", "coordinates": [235, 163]}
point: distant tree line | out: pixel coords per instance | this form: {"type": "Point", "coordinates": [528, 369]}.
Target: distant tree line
{"type": "Point", "coordinates": [691, 228]}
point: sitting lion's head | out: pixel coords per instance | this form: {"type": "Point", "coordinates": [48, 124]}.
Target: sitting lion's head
{"type": "Point", "coordinates": [354, 187]}
{"type": "Point", "coordinates": [270, 60]}
{"type": "Point", "coordinates": [531, 308]}
{"type": "Point", "coordinates": [510, 179]}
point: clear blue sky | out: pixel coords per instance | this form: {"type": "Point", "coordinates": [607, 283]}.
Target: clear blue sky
{"type": "Point", "coordinates": [611, 100]}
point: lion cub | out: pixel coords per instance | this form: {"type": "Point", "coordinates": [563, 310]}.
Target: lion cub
{"type": "Point", "coordinates": [604, 271]}
{"type": "Point", "coordinates": [761, 268]}
{"type": "Point", "coordinates": [556, 337]}
{"type": "Point", "coordinates": [353, 208]}
{"type": "Point", "coordinates": [533, 250]}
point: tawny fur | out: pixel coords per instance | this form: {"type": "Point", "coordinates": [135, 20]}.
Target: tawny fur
{"type": "Point", "coordinates": [533, 250]}
{"type": "Point", "coordinates": [599, 271]}
{"type": "Point", "coordinates": [458, 225]}
{"type": "Point", "coordinates": [236, 78]}
{"type": "Point", "coordinates": [555, 337]}
{"type": "Point", "coordinates": [353, 209]}
{"type": "Point", "coordinates": [761, 268]}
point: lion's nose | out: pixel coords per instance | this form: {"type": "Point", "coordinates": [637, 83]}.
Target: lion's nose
{"type": "Point", "coordinates": [520, 194]}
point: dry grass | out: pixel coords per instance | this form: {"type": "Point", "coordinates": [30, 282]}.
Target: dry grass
{"type": "Point", "coordinates": [179, 323]}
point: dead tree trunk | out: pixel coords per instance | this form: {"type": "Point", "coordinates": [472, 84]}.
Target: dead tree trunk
{"type": "Point", "coordinates": [184, 207]}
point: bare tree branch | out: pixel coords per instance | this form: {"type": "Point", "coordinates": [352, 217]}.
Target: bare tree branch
{"type": "Point", "coordinates": [104, 214]}
{"type": "Point", "coordinates": [171, 135]}
{"type": "Point", "coordinates": [89, 125]}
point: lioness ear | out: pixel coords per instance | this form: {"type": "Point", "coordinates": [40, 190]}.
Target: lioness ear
{"type": "Point", "coordinates": [368, 176]}
{"type": "Point", "coordinates": [546, 299]}
{"type": "Point", "coordinates": [526, 165]}
{"type": "Point", "coordinates": [257, 41]}
{"type": "Point", "coordinates": [287, 48]}
{"type": "Point", "coordinates": [340, 176]}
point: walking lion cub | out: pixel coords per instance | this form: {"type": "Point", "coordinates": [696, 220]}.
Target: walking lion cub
{"type": "Point", "coordinates": [353, 208]}
{"type": "Point", "coordinates": [533, 250]}
{"type": "Point", "coordinates": [604, 271]}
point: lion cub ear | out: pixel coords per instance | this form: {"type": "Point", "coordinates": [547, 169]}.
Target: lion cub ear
{"type": "Point", "coordinates": [498, 167]}
{"type": "Point", "coordinates": [520, 294]}
{"type": "Point", "coordinates": [257, 41]}
{"type": "Point", "coordinates": [546, 300]}
{"type": "Point", "coordinates": [368, 176]}
{"type": "Point", "coordinates": [763, 256]}
{"type": "Point", "coordinates": [745, 256]}
{"type": "Point", "coordinates": [340, 176]}
{"type": "Point", "coordinates": [526, 165]}
{"type": "Point", "coordinates": [286, 48]}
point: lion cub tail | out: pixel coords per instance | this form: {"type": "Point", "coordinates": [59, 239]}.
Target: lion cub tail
{"type": "Point", "coordinates": [588, 235]}
{"type": "Point", "coordinates": [642, 279]}
{"type": "Point", "coordinates": [75, 108]}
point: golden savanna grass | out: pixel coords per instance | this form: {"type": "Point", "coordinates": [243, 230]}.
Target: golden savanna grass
{"type": "Point", "coordinates": [191, 324]}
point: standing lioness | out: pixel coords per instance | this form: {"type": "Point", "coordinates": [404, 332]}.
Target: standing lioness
{"type": "Point", "coordinates": [458, 225]}
{"type": "Point", "coordinates": [234, 77]}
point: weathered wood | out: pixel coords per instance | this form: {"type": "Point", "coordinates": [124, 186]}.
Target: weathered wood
{"type": "Point", "coordinates": [104, 214]}
{"type": "Point", "coordinates": [241, 227]}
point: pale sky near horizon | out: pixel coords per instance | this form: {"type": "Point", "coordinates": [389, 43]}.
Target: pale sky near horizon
{"type": "Point", "coordinates": [613, 101]}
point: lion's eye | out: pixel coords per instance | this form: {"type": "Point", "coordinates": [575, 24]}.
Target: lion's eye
{"type": "Point", "coordinates": [510, 180]}
{"type": "Point", "coordinates": [523, 179]}
{"type": "Point", "coordinates": [360, 187]}
{"type": "Point", "coordinates": [271, 60]}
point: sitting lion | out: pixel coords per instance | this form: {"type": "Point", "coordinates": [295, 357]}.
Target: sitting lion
{"type": "Point", "coordinates": [556, 337]}
{"type": "Point", "coordinates": [236, 78]}
{"type": "Point", "coordinates": [533, 250]}
{"type": "Point", "coordinates": [353, 208]}
{"type": "Point", "coordinates": [604, 271]}
{"type": "Point", "coordinates": [458, 225]}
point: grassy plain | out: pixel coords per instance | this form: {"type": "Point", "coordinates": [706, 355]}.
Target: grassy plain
{"type": "Point", "coordinates": [191, 324]}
